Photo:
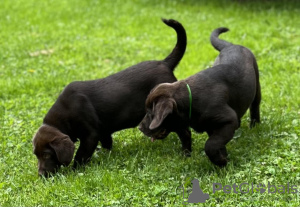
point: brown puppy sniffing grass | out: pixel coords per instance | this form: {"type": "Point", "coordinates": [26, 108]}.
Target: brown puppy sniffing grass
{"type": "Point", "coordinates": [92, 110]}
{"type": "Point", "coordinates": [212, 101]}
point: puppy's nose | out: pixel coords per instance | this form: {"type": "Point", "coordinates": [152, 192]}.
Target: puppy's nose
{"type": "Point", "coordinates": [43, 173]}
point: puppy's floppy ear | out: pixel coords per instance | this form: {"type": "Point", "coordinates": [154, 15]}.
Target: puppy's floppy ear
{"type": "Point", "coordinates": [64, 149]}
{"type": "Point", "coordinates": [161, 110]}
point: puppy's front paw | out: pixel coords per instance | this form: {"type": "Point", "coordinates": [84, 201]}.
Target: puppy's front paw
{"type": "Point", "coordinates": [107, 143]}
{"type": "Point", "coordinates": [187, 153]}
{"type": "Point", "coordinates": [77, 164]}
{"type": "Point", "coordinates": [253, 123]}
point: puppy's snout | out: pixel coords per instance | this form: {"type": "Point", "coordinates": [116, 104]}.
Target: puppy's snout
{"type": "Point", "coordinates": [45, 174]}
{"type": "Point", "coordinates": [140, 127]}
{"type": "Point", "coordinates": [41, 173]}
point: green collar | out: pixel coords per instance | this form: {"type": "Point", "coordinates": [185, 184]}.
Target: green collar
{"type": "Point", "coordinates": [190, 98]}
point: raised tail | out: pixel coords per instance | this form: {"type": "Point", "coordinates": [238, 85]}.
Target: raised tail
{"type": "Point", "coordinates": [216, 42]}
{"type": "Point", "coordinates": [175, 56]}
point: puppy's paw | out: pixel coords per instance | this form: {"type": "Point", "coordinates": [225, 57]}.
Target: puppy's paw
{"type": "Point", "coordinates": [253, 123]}
{"type": "Point", "coordinates": [222, 162]}
{"type": "Point", "coordinates": [187, 153]}
{"type": "Point", "coordinates": [107, 144]}
{"type": "Point", "coordinates": [218, 156]}
{"type": "Point", "coordinates": [77, 165]}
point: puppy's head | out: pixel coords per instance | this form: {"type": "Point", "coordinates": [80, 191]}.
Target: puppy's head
{"type": "Point", "coordinates": [52, 149]}
{"type": "Point", "coordinates": [159, 105]}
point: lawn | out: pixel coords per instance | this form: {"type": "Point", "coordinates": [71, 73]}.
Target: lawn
{"type": "Point", "coordinates": [44, 45]}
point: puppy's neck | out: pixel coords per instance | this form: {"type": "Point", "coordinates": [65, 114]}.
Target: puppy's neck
{"type": "Point", "coordinates": [181, 95]}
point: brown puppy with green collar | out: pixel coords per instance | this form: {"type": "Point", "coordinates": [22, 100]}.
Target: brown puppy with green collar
{"type": "Point", "coordinates": [212, 101]}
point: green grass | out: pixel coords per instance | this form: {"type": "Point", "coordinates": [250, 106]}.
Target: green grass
{"type": "Point", "coordinates": [44, 45]}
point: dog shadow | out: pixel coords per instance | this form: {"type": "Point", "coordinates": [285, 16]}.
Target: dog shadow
{"type": "Point", "coordinates": [137, 146]}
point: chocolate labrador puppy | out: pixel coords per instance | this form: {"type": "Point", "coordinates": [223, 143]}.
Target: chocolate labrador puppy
{"type": "Point", "coordinates": [92, 110]}
{"type": "Point", "coordinates": [212, 101]}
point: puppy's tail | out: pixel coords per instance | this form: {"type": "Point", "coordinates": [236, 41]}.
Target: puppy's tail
{"type": "Point", "coordinates": [216, 42]}
{"type": "Point", "coordinates": [175, 56]}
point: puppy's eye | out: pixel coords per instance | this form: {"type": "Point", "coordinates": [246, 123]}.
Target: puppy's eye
{"type": "Point", "coordinates": [46, 156]}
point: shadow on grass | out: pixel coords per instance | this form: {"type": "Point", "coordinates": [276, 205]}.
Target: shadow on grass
{"type": "Point", "coordinates": [137, 153]}
{"type": "Point", "coordinates": [140, 153]}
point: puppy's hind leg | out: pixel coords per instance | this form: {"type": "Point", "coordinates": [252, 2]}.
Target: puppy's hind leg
{"type": "Point", "coordinates": [254, 108]}
{"type": "Point", "coordinates": [106, 141]}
